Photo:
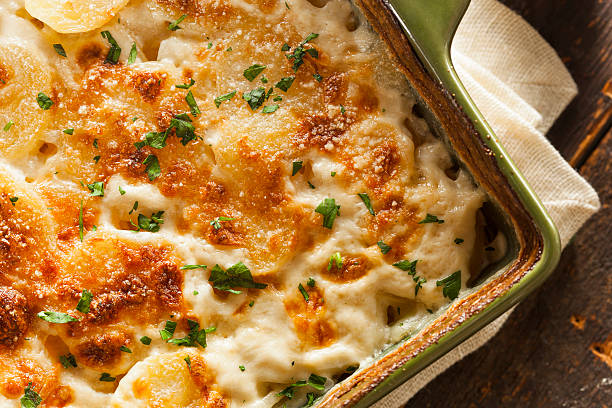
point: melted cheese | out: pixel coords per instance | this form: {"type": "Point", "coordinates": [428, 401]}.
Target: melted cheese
{"type": "Point", "coordinates": [356, 123]}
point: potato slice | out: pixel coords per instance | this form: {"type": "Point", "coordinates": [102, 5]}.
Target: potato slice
{"type": "Point", "coordinates": [23, 74]}
{"type": "Point", "coordinates": [74, 16]}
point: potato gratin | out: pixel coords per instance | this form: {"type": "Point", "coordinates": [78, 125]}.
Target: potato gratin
{"type": "Point", "coordinates": [212, 203]}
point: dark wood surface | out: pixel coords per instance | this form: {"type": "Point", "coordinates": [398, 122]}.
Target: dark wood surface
{"type": "Point", "coordinates": [556, 348]}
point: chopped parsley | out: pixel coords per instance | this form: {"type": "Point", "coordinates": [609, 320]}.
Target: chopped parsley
{"type": "Point", "coordinates": [209, 45]}
{"type": "Point", "coordinates": [30, 398]}
{"type": "Point", "coordinates": [195, 110]}
{"type": "Point", "coordinates": [315, 381]}
{"type": "Point", "coordinates": [333, 174]}
{"type": "Point", "coordinates": [84, 301]}
{"type": "Point", "coordinates": [121, 191]}
{"type": "Point", "coordinates": [195, 293]}
{"type": "Point", "coordinates": [384, 248]}
{"type": "Point", "coordinates": [277, 98]}
{"type": "Point", "coordinates": [303, 292]}
{"type": "Point", "coordinates": [311, 282]}
{"type": "Point", "coordinates": [216, 223]}
{"type": "Point", "coordinates": [186, 86]}
{"type": "Point", "coordinates": [342, 109]}
{"type": "Point", "coordinates": [228, 49]}
{"type": "Point", "coordinates": [287, 5]}
{"type": "Point", "coordinates": [429, 218]}
{"type": "Point", "coordinates": [223, 98]}
{"type": "Point", "coordinates": [68, 360]}
{"type": "Point", "coordinates": [285, 47]}
{"type": "Point", "coordinates": [264, 80]}
{"type": "Point", "coordinates": [189, 267]}
{"type": "Point", "coordinates": [56, 317]}
{"type": "Point", "coordinates": [133, 54]}
{"type": "Point", "coordinates": [311, 185]}
{"type": "Point", "coordinates": [183, 128]}
{"type": "Point", "coordinates": [365, 198]}
{"type": "Point", "coordinates": [125, 349]}
{"type": "Point", "coordinates": [188, 361]}
{"type": "Point", "coordinates": [236, 276]}
{"type": "Point", "coordinates": [168, 331]}
{"type": "Point", "coordinates": [335, 259]}
{"type": "Point", "coordinates": [310, 398]}
{"type": "Point", "coordinates": [318, 77]}
{"type": "Point", "coordinates": [59, 48]}
{"type": "Point", "coordinates": [297, 165]}
{"type": "Point", "coordinates": [68, 131]}
{"type": "Point", "coordinates": [459, 241]}
{"type": "Point", "coordinates": [251, 303]}
{"type": "Point", "coordinates": [44, 101]}
{"type": "Point", "coordinates": [81, 221]}
{"type": "Point", "coordinates": [115, 51]}
{"type": "Point", "coordinates": [13, 200]}
{"type": "Point", "coordinates": [106, 377]}
{"type": "Point", "coordinates": [96, 189]}
{"type": "Point", "coordinates": [329, 210]}
{"type": "Point", "coordinates": [95, 143]}
{"type": "Point", "coordinates": [156, 140]}
{"type": "Point", "coordinates": [408, 266]}
{"type": "Point", "coordinates": [194, 337]}
{"type": "Point", "coordinates": [255, 98]}
{"type": "Point", "coordinates": [146, 340]}
{"type": "Point", "coordinates": [451, 285]}
{"type": "Point", "coordinates": [152, 167]}
{"type": "Point", "coordinates": [251, 72]}
{"type": "Point", "coordinates": [241, 367]}
{"type": "Point", "coordinates": [269, 108]}
{"type": "Point", "coordinates": [8, 126]}
{"type": "Point", "coordinates": [134, 207]}
{"type": "Point", "coordinates": [285, 83]}
{"type": "Point", "coordinates": [298, 53]}
{"type": "Point", "coordinates": [173, 26]}
{"type": "Point", "coordinates": [151, 224]}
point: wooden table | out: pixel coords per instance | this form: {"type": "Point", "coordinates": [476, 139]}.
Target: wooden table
{"type": "Point", "coordinates": [556, 348]}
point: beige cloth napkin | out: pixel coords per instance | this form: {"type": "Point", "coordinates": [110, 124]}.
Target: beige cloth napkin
{"type": "Point", "coordinates": [521, 86]}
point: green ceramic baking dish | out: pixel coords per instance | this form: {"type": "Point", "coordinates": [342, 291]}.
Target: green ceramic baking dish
{"type": "Point", "coordinates": [418, 34]}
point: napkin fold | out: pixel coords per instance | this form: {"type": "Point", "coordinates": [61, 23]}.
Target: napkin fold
{"type": "Point", "coordinates": [521, 86]}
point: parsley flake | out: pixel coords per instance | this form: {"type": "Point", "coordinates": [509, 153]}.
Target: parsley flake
{"type": "Point", "coordinates": [255, 98]}
{"type": "Point", "coordinates": [236, 276]}
{"type": "Point", "coordinates": [194, 337]}
{"type": "Point", "coordinates": [216, 223]}
{"type": "Point", "coordinates": [13, 200]}
{"type": "Point", "coordinates": [146, 340]}
{"type": "Point", "coordinates": [310, 185]}
{"type": "Point", "coordinates": [68, 360]}
{"type": "Point", "coordinates": [269, 108]}
{"type": "Point", "coordinates": [329, 210]}
{"type": "Point", "coordinates": [44, 101]}
{"type": "Point", "coordinates": [384, 248]}
{"type": "Point", "coordinates": [298, 53]}
{"type": "Point", "coordinates": [335, 259]}
{"type": "Point", "coordinates": [429, 218]}
{"type": "Point", "coordinates": [156, 140]}
{"type": "Point", "coordinates": [195, 110]}
{"type": "Point", "coordinates": [285, 83]}
{"type": "Point", "coordinates": [315, 381]}
{"type": "Point", "coordinates": [115, 51]}
{"type": "Point", "coordinates": [311, 282]}
{"type": "Point", "coordinates": [241, 367]}
{"type": "Point", "coordinates": [68, 131]}
{"type": "Point", "coordinates": [188, 361]}
{"type": "Point", "coordinates": [133, 54]}
{"type": "Point", "coordinates": [168, 331]}
{"type": "Point", "coordinates": [189, 267]}
{"type": "Point", "coordinates": [30, 398]}
{"type": "Point", "coordinates": [151, 224]}
{"type": "Point", "coordinates": [366, 200]}
{"type": "Point", "coordinates": [251, 72]}
{"type": "Point", "coordinates": [303, 292]}
{"type": "Point", "coordinates": [318, 77]}
{"type": "Point", "coordinates": [106, 377]}
{"type": "Point", "coordinates": [121, 191]}
{"type": "Point", "coordinates": [408, 266]}
{"type": "Point", "coordinates": [152, 167]}
{"type": "Point", "coordinates": [8, 126]}
{"type": "Point", "coordinates": [96, 189]}
{"type": "Point", "coordinates": [59, 48]}
{"type": "Point", "coordinates": [56, 317]}
{"type": "Point", "coordinates": [183, 128]}
{"type": "Point", "coordinates": [84, 301]}
{"type": "Point", "coordinates": [125, 349]}
{"type": "Point", "coordinates": [220, 99]}
{"type": "Point", "coordinates": [459, 241]}
{"type": "Point", "coordinates": [186, 86]}
{"type": "Point", "coordinates": [173, 26]}
{"type": "Point", "coordinates": [451, 285]}
{"type": "Point", "coordinates": [297, 165]}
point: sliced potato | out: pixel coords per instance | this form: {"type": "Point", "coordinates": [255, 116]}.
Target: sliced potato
{"type": "Point", "coordinates": [23, 74]}
{"type": "Point", "coordinates": [74, 16]}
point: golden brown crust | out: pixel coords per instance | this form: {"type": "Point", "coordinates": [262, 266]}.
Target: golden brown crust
{"type": "Point", "coordinates": [14, 317]}
{"type": "Point", "coordinates": [312, 327]}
